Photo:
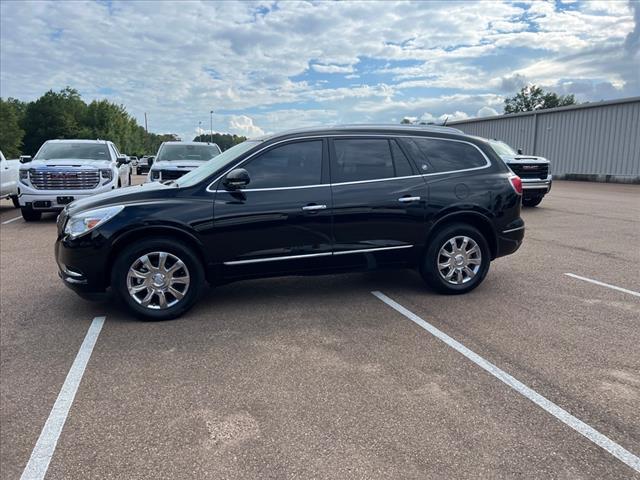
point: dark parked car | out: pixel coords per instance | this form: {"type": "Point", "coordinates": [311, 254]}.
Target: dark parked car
{"type": "Point", "coordinates": [301, 202]}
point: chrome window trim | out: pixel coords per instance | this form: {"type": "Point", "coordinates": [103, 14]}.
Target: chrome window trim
{"type": "Point", "coordinates": [242, 162]}
{"type": "Point", "coordinates": [310, 255]}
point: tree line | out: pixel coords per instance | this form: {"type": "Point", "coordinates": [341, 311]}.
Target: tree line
{"type": "Point", "coordinates": [25, 126]}
{"type": "Point", "coordinates": [223, 140]}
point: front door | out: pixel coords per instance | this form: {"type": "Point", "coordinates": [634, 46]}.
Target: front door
{"type": "Point", "coordinates": [281, 222]}
{"type": "Point", "coordinates": [378, 202]}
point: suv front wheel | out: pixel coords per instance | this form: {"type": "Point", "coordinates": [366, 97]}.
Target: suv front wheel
{"type": "Point", "coordinates": [457, 259]}
{"type": "Point", "coordinates": [158, 279]}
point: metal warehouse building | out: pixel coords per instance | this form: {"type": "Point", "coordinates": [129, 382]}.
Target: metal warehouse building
{"type": "Point", "coordinates": [592, 141]}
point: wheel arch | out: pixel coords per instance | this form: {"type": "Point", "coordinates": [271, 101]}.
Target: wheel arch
{"type": "Point", "coordinates": [469, 217]}
{"type": "Point", "coordinates": [158, 231]}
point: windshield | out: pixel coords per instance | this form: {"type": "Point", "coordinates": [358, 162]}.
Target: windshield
{"type": "Point", "coordinates": [187, 152]}
{"type": "Point", "coordinates": [502, 148]}
{"type": "Point", "coordinates": [215, 164]}
{"type": "Point", "coordinates": [66, 150]}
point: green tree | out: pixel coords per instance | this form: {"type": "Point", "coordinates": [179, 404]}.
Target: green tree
{"type": "Point", "coordinates": [11, 134]}
{"type": "Point", "coordinates": [55, 115]}
{"type": "Point", "coordinates": [223, 140]}
{"type": "Point", "coordinates": [533, 97]}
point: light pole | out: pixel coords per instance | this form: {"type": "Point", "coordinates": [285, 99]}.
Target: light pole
{"type": "Point", "coordinates": [199, 128]}
{"type": "Point", "coordinates": [211, 124]}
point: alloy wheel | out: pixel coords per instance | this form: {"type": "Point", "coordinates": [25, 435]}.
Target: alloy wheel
{"type": "Point", "coordinates": [459, 260]}
{"type": "Point", "coordinates": [158, 280]}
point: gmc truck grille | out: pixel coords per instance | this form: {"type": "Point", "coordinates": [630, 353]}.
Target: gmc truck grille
{"type": "Point", "coordinates": [172, 174]}
{"type": "Point", "coordinates": [530, 170]}
{"type": "Point", "coordinates": [64, 179]}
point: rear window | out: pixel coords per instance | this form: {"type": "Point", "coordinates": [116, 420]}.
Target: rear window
{"type": "Point", "coordinates": [447, 155]}
{"type": "Point", "coordinates": [368, 159]}
{"type": "Point", "coordinates": [187, 152]}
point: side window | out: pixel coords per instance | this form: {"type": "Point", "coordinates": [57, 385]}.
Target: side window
{"type": "Point", "coordinates": [446, 155]}
{"type": "Point", "coordinates": [292, 165]}
{"type": "Point", "coordinates": [401, 162]}
{"type": "Point", "coordinates": [361, 159]}
{"type": "Point", "coordinates": [114, 150]}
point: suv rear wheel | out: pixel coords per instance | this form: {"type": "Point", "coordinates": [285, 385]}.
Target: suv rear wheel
{"type": "Point", "coordinates": [457, 259]}
{"type": "Point", "coordinates": [158, 279]}
{"type": "Point", "coordinates": [30, 215]}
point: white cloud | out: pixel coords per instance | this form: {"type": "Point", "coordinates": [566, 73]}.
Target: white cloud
{"type": "Point", "coordinates": [486, 112]}
{"type": "Point", "coordinates": [243, 125]}
{"type": "Point", "coordinates": [178, 60]}
{"type": "Point", "coordinates": [332, 68]}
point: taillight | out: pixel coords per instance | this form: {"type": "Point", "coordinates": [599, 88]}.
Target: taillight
{"type": "Point", "coordinates": [516, 183]}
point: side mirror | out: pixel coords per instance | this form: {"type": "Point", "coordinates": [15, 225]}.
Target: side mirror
{"type": "Point", "coordinates": [122, 159]}
{"type": "Point", "coordinates": [25, 158]}
{"type": "Point", "coordinates": [519, 151]}
{"type": "Point", "coordinates": [236, 179]}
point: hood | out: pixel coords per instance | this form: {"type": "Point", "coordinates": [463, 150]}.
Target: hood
{"type": "Point", "coordinates": [524, 159]}
{"type": "Point", "coordinates": [117, 196]}
{"type": "Point", "coordinates": [67, 162]}
{"type": "Point", "coordinates": [177, 164]}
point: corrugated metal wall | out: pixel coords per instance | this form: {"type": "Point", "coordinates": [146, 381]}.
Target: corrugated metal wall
{"type": "Point", "coordinates": [601, 139]}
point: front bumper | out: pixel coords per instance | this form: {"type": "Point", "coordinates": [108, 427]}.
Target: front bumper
{"type": "Point", "coordinates": [56, 200]}
{"type": "Point", "coordinates": [536, 187]}
{"type": "Point", "coordinates": [82, 266]}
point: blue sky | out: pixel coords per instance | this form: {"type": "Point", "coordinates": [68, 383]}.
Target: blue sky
{"type": "Point", "coordinates": [266, 66]}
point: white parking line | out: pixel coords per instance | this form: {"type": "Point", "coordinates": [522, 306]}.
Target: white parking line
{"type": "Point", "coordinates": [12, 220]}
{"type": "Point", "coordinates": [578, 425]}
{"type": "Point", "coordinates": [38, 463]}
{"type": "Point", "coordinates": [602, 284]}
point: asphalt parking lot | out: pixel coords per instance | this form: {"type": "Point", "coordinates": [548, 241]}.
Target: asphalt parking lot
{"type": "Point", "coordinates": [316, 377]}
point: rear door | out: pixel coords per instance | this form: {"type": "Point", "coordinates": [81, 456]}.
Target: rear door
{"type": "Point", "coordinates": [378, 201]}
{"type": "Point", "coordinates": [282, 221]}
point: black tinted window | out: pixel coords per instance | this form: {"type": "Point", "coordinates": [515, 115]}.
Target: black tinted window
{"type": "Point", "coordinates": [402, 165]}
{"type": "Point", "coordinates": [447, 155]}
{"type": "Point", "coordinates": [361, 159]}
{"type": "Point", "coordinates": [292, 165]}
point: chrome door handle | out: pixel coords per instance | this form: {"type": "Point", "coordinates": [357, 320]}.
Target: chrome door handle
{"type": "Point", "coordinates": [408, 199]}
{"type": "Point", "coordinates": [313, 207]}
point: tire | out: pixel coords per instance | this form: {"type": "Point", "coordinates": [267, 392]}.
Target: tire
{"type": "Point", "coordinates": [531, 201]}
{"type": "Point", "coordinates": [15, 201]}
{"type": "Point", "coordinates": [130, 258]}
{"type": "Point", "coordinates": [30, 215]}
{"type": "Point", "coordinates": [478, 263]}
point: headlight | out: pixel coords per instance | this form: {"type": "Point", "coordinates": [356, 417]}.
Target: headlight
{"type": "Point", "coordinates": [84, 222]}
{"type": "Point", "coordinates": [155, 175]}
{"type": "Point", "coordinates": [106, 173]}
{"type": "Point", "coordinates": [24, 176]}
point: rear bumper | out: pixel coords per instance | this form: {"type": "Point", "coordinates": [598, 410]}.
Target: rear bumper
{"type": "Point", "coordinates": [510, 238]}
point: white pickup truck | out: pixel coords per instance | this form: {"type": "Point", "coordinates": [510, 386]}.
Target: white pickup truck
{"type": "Point", "coordinates": [9, 179]}
{"type": "Point", "coordinates": [65, 170]}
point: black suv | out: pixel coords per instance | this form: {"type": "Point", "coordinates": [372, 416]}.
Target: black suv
{"type": "Point", "coordinates": [301, 202]}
